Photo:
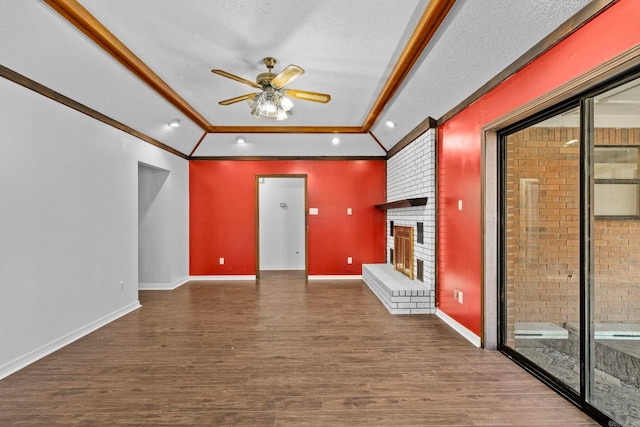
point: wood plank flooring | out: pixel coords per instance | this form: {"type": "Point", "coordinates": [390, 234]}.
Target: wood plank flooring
{"type": "Point", "coordinates": [282, 352]}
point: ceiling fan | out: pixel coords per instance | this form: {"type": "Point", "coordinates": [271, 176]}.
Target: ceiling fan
{"type": "Point", "coordinates": [274, 101]}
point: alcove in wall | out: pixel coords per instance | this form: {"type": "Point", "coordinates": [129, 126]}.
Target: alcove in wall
{"type": "Point", "coordinates": [154, 239]}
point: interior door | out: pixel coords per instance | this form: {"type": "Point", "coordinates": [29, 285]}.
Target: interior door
{"type": "Point", "coordinates": [282, 220]}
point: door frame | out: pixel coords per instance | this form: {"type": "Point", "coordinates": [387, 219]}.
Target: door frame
{"type": "Point", "coordinates": [306, 218]}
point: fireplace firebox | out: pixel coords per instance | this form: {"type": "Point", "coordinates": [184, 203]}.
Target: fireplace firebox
{"type": "Point", "coordinates": [403, 250]}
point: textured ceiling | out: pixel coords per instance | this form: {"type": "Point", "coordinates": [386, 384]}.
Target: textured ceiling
{"type": "Point", "coordinates": [339, 43]}
{"type": "Point", "coordinates": [478, 39]}
{"type": "Point", "coordinates": [348, 49]}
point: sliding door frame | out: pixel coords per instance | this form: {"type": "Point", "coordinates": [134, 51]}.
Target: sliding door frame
{"type": "Point", "coordinates": [581, 93]}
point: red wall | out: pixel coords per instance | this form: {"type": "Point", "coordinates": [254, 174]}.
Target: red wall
{"type": "Point", "coordinates": [223, 214]}
{"type": "Point", "coordinates": [459, 257]}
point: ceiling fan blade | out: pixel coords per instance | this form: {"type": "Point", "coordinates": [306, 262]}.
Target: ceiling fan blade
{"type": "Point", "coordinates": [236, 78]}
{"type": "Point", "coordinates": [309, 96]}
{"type": "Point", "coordinates": [286, 76]}
{"type": "Point", "coordinates": [237, 99]}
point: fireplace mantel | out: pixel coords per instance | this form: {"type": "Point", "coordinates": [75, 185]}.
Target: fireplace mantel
{"type": "Point", "coordinates": [404, 203]}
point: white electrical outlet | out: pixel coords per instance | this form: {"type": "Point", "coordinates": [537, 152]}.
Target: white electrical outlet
{"type": "Point", "coordinates": [221, 261]}
{"type": "Point", "coordinates": [349, 211]}
{"type": "Point", "coordinates": [349, 260]}
{"type": "Point", "coordinates": [460, 205]}
{"type": "Point", "coordinates": [460, 297]}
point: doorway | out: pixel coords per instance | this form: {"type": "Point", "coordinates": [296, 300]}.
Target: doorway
{"type": "Point", "coordinates": [154, 238]}
{"type": "Point", "coordinates": [281, 223]}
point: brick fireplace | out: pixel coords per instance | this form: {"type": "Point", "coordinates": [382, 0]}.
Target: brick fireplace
{"type": "Point", "coordinates": [410, 177]}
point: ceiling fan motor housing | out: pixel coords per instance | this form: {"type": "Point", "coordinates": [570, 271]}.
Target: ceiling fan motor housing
{"type": "Point", "coordinates": [264, 79]}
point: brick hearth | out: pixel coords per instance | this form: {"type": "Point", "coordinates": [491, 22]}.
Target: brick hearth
{"type": "Point", "coordinates": [398, 293]}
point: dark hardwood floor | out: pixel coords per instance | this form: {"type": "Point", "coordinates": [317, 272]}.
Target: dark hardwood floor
{"type": "Point", "coordinates": [282, 352]}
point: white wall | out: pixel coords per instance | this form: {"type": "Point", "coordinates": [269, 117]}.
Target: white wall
{"type": "Point", "coordinates": [282, 229]}
{"type": "Point", "coordinates": [69, 223]}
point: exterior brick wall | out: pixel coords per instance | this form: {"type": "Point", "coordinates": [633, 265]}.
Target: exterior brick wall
{"type": "Point", "coordinates": [412, 173]}
{"type": "Point", "coordinates": [543, 233]}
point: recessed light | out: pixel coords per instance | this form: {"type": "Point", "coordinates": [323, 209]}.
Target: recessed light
{"type": "Point", "coordinates": [240, 140]}
{"type": "Point", "coordinates": [175, 123]}
{"type": "Point", "coordinates": [390, 124]}
{"type": "Point", "coordinates": [335, 140]}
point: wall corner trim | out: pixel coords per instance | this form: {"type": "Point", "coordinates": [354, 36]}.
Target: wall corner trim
{"type": "Point", "coordinates": [37, 354]}
{"type": "Point", "coordinates": [466, 333]}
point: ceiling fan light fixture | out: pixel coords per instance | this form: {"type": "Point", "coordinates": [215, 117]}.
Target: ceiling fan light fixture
{"type": "Point", "coordinates": [271, 104]}
{"type": "Point", "coordinates": [255, 112]}
{"type": "Point", "coordinates": [270, 109]}
{"type": "Point", "coordinates": [253, 102]}
{"type": "Point", "coordinates": [274, 101]}
{"type": "Point", "coordinates": [282, 114]}
{"type": "Point", "coordinates": [286, 103]}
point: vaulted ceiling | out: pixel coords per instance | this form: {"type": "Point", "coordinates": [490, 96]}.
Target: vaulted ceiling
{"type": "Point", "coordinates": [140, 64]}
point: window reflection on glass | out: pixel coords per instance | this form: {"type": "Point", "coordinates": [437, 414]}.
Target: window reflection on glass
{"type": "Point", "coordinates": [617, 189]}
{"type": "Point", "coordinates": [616, 162]}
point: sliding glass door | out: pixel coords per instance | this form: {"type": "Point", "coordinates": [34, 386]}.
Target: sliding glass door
{"type": "Point", "coordinates": [614, 341]}
{"type": "Point", "coordinates": [570, 249]}
{"type": "Point", "coordinates": [542, 244]}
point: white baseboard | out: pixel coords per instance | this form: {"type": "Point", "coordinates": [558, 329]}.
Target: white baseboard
{"type": "Point", "coordinates": [336, 277]}
{"type": "Point", "coordinates": [37, 354]}
{"type": "Point", "coordinates": [219, 278]}
{"type": "Point", "coordinates": [466, 333]}
{"type": "Point", "coordinates": [162, 286]}
{"type": "Point", "coordinates": [282, 268]}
